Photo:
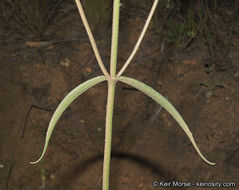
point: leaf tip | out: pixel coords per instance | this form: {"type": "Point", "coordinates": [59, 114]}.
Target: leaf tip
{"type": "Point", "coordinates": [37, 161]}
{"type": "Point", "coordinates": [211, 163]}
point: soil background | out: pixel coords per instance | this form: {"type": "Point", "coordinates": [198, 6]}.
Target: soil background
{"type": "Point", "coordinates": [37, 71]}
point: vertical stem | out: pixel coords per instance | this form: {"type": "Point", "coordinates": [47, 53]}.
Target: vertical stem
{"type": "Point", "coordinates": [111, 94]}
{"type": "Point", "coordinates": [108, 133]}
{"type": "Point", "coordinates": [114, 41]}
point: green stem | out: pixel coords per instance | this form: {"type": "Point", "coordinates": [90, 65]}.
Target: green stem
{"type": "Point", "coordinates": [111, 94]}
{"type": "Point", "coordinates": [108, 133]}
{"type": "Point", "coordinates": [114, 41]}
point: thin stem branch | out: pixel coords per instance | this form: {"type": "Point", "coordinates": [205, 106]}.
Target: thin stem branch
{"type": "Point", "coordinates": [114, 41]}
{"type": "Point", "coordinates": [108, 133]}
{"type": "Point", "coordinates": [139, 40]}
{"type": "Point", "coordinates": [92, 40]}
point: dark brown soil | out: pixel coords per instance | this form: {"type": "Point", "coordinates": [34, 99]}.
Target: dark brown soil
{"type": "Point", "coordinates": [34, 80]}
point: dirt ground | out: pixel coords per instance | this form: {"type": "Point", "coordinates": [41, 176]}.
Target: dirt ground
{"type": "Point", "coordinates": [145, 148]}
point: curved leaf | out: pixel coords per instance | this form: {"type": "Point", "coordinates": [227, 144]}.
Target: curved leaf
{"type": "Point", "coordinates": [167, 105]}
{"type": "Point", "coordinates": [64, 104]}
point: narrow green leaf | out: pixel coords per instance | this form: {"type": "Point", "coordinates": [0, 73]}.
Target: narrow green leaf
{"type": "Point", "coordinates": [167, 105]}
{"type": "Point", "coordinates": [64, 104]}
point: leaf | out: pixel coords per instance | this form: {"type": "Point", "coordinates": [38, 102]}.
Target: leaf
{"type": "Point", "coordinates": [167, 105]}
{"type": "Point", "coordinates": [70, 97]}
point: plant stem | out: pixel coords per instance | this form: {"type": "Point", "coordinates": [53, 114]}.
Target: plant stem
{"type": "Point", "coordinates": [92, 40]}
{"type": "Point", "coordinates": [114, 41]}
{"type": "Point", "coordinates": [108, 133]}
{"type": "Point", "coordinates": [111, 94]}
{"type": "Point", "coordinates": [140, 39]}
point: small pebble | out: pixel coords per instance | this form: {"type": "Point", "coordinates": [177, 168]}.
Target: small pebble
{"type": "Point", "coordinates": [140, 185]}
{"type": "Point", "coordinates": [1, 166]}
{"type": "Point", "coordinates": [209, 94]}
{"type": "Point", "coordinates": [52, 176]}
{"type": "Point", "coordinates": [65, 62]}
{"type": "Point", "coordinates": [99, 129]}
{"type": "Point", "coordinates": [160, 83]}
{"type": "Point", "coordinates": [236, 75]}
{"type": "Point", "coordinates": [88, 70]}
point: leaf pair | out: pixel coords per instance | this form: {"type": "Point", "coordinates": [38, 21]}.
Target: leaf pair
{"type": "Point", "coordinates": [112, 78]}
{"type": "Point", "coordinates": [132, 82]}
